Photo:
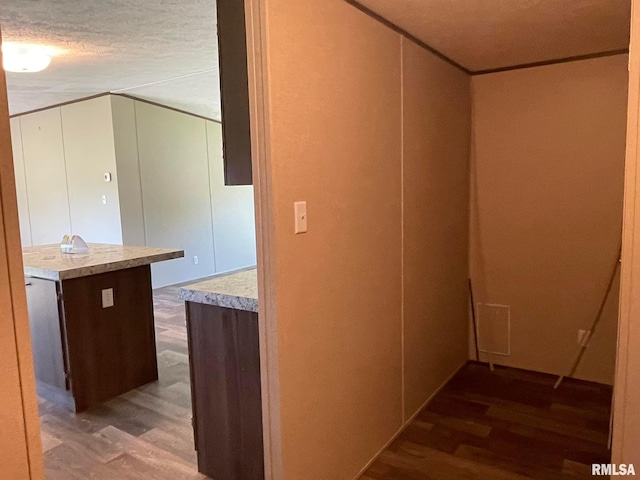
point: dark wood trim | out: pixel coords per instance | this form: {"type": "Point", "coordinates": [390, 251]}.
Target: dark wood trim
{"type": "Point", "coordinates": [407, 35]}
{"type": "Point", "coordinates": [576, 58]}
{"type": "Point", "coordinates": [57, 105]}
{"type": "Point", "coordinates": [131, 97]}
{"type": "Point", "coordinates": [442, 56]}
{"type": "Point", "coordinates": [156, 104]}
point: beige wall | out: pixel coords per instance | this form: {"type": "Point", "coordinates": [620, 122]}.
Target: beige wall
{"type": "Point", "coordinates": [335, 89]}
{"type": "Point", "coordinates": [436, 134]}
{"type": "Point", "coordinates": [549, 146]}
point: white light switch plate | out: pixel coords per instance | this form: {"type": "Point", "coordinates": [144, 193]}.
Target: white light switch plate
{"type": "Point", "coordinates": [107, 298]}
{"type": "Point", "coordinates": [300, 211]}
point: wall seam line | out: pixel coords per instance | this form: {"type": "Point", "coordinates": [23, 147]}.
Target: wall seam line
{"type": "Point", "coordinates": [402, 237]}
{"type": "Point", "coordinates": [66, 171]}
{"type": "Point", "coordinates": [135, 124]}
{"type": "Point", "coordinates": [211, 202]}
{"type": "Point", "coordinates": [26, 184]}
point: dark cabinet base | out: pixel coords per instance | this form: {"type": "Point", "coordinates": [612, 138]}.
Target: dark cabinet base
{"type": "Point", "coordinates": [224, 353]}
{"type": "Point", "coordinates": [102, 352]}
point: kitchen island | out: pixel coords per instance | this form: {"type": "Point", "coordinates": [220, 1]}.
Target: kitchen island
{"type": "Point", "coordinates": [224, 355]}
{"type": "Point", "coordinates": [91, 321]}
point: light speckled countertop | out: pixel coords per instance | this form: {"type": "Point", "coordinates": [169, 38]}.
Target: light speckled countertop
{"type": "Point", "coordinates": [237, 290]}
{"type": "Point", "coordinates": [48, 262]}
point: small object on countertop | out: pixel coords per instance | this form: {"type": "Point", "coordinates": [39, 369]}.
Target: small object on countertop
{"type": "Point", "coordinates": [65, 244]}
{"type": "Point", "coordinates": [75, 244]}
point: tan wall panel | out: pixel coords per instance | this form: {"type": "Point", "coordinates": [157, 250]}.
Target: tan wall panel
{"type": "Point", "coordinates": [20, 448]}
{"type": "Point", "coordinates": [437, 126]}
{"type": "Point", "coordinates": [336, 143]}
{"type": "Point", "coordinates": [626, 421]}
{"type": "Point", "coordinates": [547, 207]}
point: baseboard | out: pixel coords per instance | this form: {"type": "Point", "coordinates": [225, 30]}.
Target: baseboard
{"type": "Point", "coordinates": [411, 419]}
{"type": "Point", "coordinates": [551, 375]}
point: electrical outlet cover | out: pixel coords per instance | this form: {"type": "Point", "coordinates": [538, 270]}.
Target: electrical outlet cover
{"type": "Point", "coordinates": [107, 298]}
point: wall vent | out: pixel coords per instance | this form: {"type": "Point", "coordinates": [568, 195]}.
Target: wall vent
{"type": "Point", "coordinates": [494, 328]}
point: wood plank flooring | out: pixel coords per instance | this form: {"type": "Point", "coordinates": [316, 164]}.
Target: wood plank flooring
{"type": "Point", "coordinates": [143, 434]}
{"type": "Point", "coordinates": [504, 425]}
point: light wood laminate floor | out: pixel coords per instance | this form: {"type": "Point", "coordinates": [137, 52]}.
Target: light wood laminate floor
{"type": "Point", "coordinates": [143, 434]}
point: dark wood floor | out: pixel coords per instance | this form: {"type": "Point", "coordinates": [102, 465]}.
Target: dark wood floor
{"type": "Point", "coordinates": [509, 424]}
{"type": "Point", "coordinates": [143, 434]}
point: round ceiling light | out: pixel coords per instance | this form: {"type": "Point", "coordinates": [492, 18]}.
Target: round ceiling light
{"type": "Point", "coordinates": [25, 58]}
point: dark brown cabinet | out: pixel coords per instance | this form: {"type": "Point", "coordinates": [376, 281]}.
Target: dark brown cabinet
{"type": "Point", "coordinates": [83, 352]}
{"type": "Point", "coordinates": [224, 353]}
{"type": "Point", "coordinates": [234, 89]}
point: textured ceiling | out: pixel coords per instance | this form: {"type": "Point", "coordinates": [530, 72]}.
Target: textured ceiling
{"type": "Point", "coordinates": [489, 34]}
{"type": "Point", "coordinates": [165, 50]}
{"type": "Point", "coordinates": [160, 50]}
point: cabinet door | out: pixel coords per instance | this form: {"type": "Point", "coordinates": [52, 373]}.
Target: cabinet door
{"type": "Point", "coordinates": [224, 356]}
{"type": "Point", "coordinates": [234, 92]}
{"type": "Point", "coordinates": [46, 334]}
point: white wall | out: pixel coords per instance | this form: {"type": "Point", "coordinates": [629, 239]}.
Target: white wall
{"type": "Point", "coordinates": [175, 191]}
{"type": "Point", "coordinates": [129, 189]}
{"type": "Point", "coordinates": [167, 187]}
{"type": "Point", "coordinates": [233, 220]}
{"type": "Point", "coordinates": [60, 157]}
{"type": "Point", "coordinates": [89, 154]}
{"type": "Point", "coordinates": [21, 182]}
{"type": "Point", "coordinates": [46, 178]}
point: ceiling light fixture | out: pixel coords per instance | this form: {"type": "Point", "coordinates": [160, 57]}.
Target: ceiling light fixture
{"type": "Point", "coordinates": [25, 58]}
